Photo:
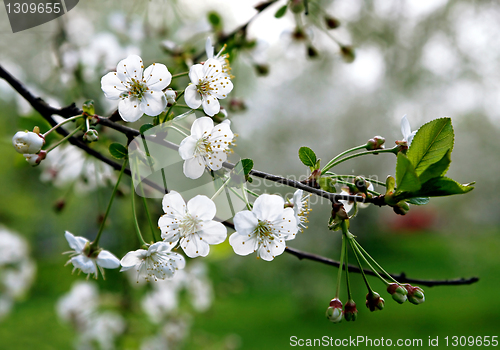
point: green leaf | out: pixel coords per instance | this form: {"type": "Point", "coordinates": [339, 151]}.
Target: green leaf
{"type": "Point", "coordinates": [307, 156]}
{"type": "Point", "coordinates": [442, 186]}
{"type": "Point", "coordinates": [437, 169]}
{"type": "Point", "coordinates": [432, 141]}
{"type": "Point", "coordinates": [281, 11]}
{"type": "Point", "coordinates": [406, 177]}
{"type": "Point", "coordinates": [419, 200]}
{"type": "Point", "coordinates": [118, 150]}
{"type": "Point", "coordinates": [247, 166]}
{"type": "Point", "coordinates": [145, 128]}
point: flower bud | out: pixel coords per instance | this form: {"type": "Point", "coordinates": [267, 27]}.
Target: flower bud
{"type": "Point", "coordinates": [35, 159]}
{"type": "Point", "coordinates": [398, 292]}
{"type": "Point", "coordinates": [360, 184]}
{"type": "Point", "coordinates": [415, 294]}
{"type": "Point", "coordinates": [401, 208]}
{"type": "Point", "coordinates": [27, 142]}
{"type": "Point", "coordinates": [375, 143]}
{"type": "Point", "coordinates": [88, 107]}
{"type": "Point", "coordinates": [334, 311]}
{"type": "Point", "coordinates": [374, 302]}
{"type": "Point", "coordinates": [91, 135]}
{"type": "Point", "coordinates": [171, 95]}
{"type": "Point", "coordinates": [350, 311]}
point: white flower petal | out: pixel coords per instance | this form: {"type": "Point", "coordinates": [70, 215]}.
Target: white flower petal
{"type": "Point", "coordinates": [201, 127]}
{"type": "Point", "coordinates": [243, 244]}
{"type": "Point", "coordinates": [286, 224]}
{"type": "Point", "coordinates": [193, 168]}
{"type": "Point", "coordinates": [213, 232]}
{"type": "Point", "coordinates": [268, 207]}
{"type": "Point", "coordinates": [209, 49]}
{"type": "Point", "coordinates": [107, 260]}
{"type": "Point", "coordinates": [202, 208]}
{"type": "Point", "coordinates": [132, 258]}
{"type": "Point", "coordinates": [187, 147]}
{"type": "Point", "coordinates": [405, 128]}
{"type": "Point", "coordinates": [194, 247]}
{"type": "Point", "coordinates": [222, 88]}
{"type": "Point", "coordinates": [192, 97]}
{"type": "Point", "coordinates": [153, 102]}
{"type": "Point", "coordinates": [112, 86]}
{"type": "Point", "coordinates": [216, 160]}
{"type": "Point", "coordinates": [173, 204]}
{"type": "Point", "coordinates": [129, 109]}
{"type": "Point", "coordinates": [85, 264]}
{"type": "Point", "coordinates": [196, 72]}
{"type": "Point", "coordinates": [75, 242]}
{"type": "Point", "coordinates": [132, 67]}
{"type": "Point", "coordinates": [245, 222]}
{"type": "Point", "coordinates": [210, 104]}
{"type": "Point", "coordinates": [157, 77]}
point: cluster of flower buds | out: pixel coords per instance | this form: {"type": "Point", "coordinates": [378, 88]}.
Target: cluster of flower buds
{"type": "Point", "coordinates": [374, 301]}
{"type": "Point", "coordinates": [29, 144]}
{"type": "Point", "coordinates": [334, 311]}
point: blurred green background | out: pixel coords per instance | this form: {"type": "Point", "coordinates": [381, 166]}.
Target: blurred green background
{"type": "Point", "coordinates": [425, 59]}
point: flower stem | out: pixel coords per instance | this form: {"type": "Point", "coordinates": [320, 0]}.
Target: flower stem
{"type": "Point", "coordinates": [62, 123]}
{"type": "Point", "coordinates": [151, 226]}
{"type": "Point", "coordinates": [339, 275]}
{"type": "Point", "coordinates": [179, 75]}
{"type": "Point", "coordinates": [134, 213]}
{"type": "Point", "coordinates": [251, 192]}
{"type": "Point", "coordinates": [374, 261]}
{"type": "Point", "coordinates": [356, 246]}
{"type": "Point", "coordinates": [349, 294]}
{"type": "Point", "coordinates": [95, 243]}
{"type": "Point", "coordinates": [221, 188]}
{"type": "Point", "coordinates": [64, 139]}
{"type": "Point", "coordinates": [329, 164]}
{"type": "Point", "coordinates": [380, 183]}
{"type": "Point", "coordinates": [332, 163]}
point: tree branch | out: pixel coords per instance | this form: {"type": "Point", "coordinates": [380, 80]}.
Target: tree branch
{"type": "Point", "coordinates": [47, 113]}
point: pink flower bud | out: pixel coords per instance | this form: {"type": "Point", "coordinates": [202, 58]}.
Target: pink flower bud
{"type": "Point", "coordinates": [350, 311]}
{"type": "Point", "coordinates": [374, 302]}
{"type": "Point", "coordinates": [415, 294]}
{"type": "Point", "coordinates": [398, 292]}
{"type": "Point", "coordinates": [35, 159]}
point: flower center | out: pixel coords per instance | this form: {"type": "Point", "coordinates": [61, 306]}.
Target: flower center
{"type": "Point", "coordinates": [204, 87]}
{"type": "Point", "coordinates": [136, 88]}
{"type": "Point", "coordinates": [189, 225]}
{"type": "Point", "coordinates": [263, 230]}
{"type": "Point", "coordinates": [203, 147]}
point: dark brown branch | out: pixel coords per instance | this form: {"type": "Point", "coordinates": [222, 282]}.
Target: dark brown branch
{"type": "Point", "coordinates": [47, 112]}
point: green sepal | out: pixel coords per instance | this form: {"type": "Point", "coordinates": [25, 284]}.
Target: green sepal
{"type": "Point", "coordinates": [118, 150]}
{"type": "Point", "coordinates": [327, 184]}
{"type": "Point", "coordinates": [281, 11]}
{"type": "Point", "coordinates": [88, 107]}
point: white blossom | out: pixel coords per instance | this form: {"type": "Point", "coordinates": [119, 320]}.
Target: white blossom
{"type": "Point", "coordinates": [156, 263]}
{"type": "Point", "coordinates": [208, 85]}
{"type": "Point", "coordinates": [348, 205]}
{"type": "Point", "coordinates": [406, 130]}
{"type": "Point", "coordinates": [77, 306]}
{"type": "Point", "coordinates": [264, 229]}
{"type": "Point", "coordinates": [192, 225]}
{"type": "Point", "coordinates": [89, 264]}
{"type": "Point", "coordinates": [223, 58]}
{"type": "Point", "coordinates": [301, 209]}
{"type": "Point", "coordinates": [68, 165]}
{"type": "Point", "coordinates": [28, 142]}
{"type": "Point", "coordinates": [207, 146]}
{"type": "Point", "coordinates": [139, 90]}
